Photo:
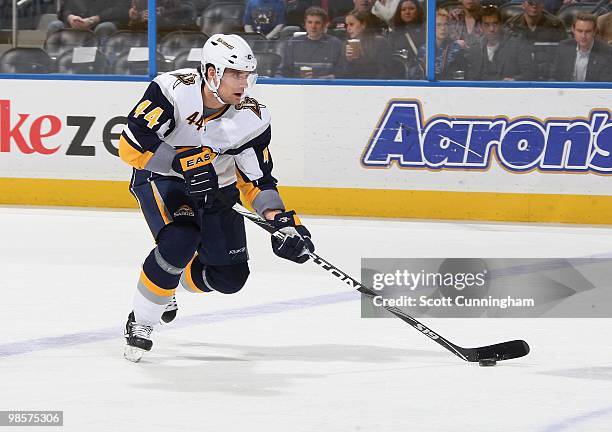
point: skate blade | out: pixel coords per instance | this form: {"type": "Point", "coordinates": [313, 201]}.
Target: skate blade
{"type": "Point", "coordinates": [133, 354]}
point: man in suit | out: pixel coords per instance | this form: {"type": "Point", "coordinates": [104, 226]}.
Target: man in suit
{"type": "Point", "coordinates": [498, 55]}
{"type": "Point", "coordinates": [583, 58]}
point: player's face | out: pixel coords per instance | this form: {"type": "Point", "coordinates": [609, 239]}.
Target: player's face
{"type": "Point", "coordinates": [533, 8]}
{"type": "Point", "coordinates": [584, 33]}
{"type": "Point", "coordinates": [354, 27]}
{"type": "Point", "coordinates": [408, 12]}
{"type": "Point", "coordinates": [491, 27]}
{"type": "Point", "coordinates": [315, 26]}
{"type": "Point", "coordinates": [233, 85]}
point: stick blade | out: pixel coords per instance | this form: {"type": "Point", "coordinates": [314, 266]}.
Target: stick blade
{"type": "Point", "coordinates": [501, 351]}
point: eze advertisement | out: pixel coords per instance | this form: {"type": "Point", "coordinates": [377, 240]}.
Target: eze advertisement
{"type": "Point", "coordinates": [64, 130]}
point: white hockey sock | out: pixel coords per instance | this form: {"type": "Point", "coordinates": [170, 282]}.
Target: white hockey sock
{"type": "Point", "coordinates": [145, 311]}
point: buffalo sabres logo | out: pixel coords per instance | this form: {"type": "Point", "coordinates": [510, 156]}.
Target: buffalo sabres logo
{"type": "Point", "coordinates": [184, 210]}
{"type": "Point", "coordinates": [186, 78]}
{"type": "Point", "coordinates": [251, 104]}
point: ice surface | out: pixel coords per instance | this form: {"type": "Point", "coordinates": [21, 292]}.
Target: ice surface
{"type": "Point", "coordinates": [289, 352]}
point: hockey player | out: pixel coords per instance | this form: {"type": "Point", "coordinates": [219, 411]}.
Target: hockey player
{"type": "Point", "coordinates": [196, 134]}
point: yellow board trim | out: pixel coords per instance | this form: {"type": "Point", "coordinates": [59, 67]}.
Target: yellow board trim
{"type": "Point", "coordinates": [490, 206]}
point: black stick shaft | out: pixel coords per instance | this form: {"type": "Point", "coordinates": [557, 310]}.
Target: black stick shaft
{"type": "Point", "coordinates": [353, 283]}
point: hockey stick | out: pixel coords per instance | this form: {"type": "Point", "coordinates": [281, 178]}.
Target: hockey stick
{"type": "Point", "coordinates": [489, 353]}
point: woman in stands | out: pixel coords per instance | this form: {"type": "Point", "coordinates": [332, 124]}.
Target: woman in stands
{"type": "Point", "coordinates": [408, 33]}
{"type": "Point", "coordinates": [368, 55]}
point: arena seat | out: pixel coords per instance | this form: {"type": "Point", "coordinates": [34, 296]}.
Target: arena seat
{"type": "Point", "coordinates": [267, 63]}
{"type": "Point", "coordinates": [178, 41]}
{"type": "Point", "coordinates": [257, 41]}
{"type": "Point", "coordinates": [340, 33]}
{"type": "Point", "coordinates": [70, 62]}
{"type": "Point", "coordinates": [26, 60]}
{"type": "Point", "coordinates": [120, 42]}
{"type": "Point", "coordinates": [223, 18]}
{"type": "Point", "coordinates": [66, 39]}
{"type": "Point", "coordinates": [182, 60]}
{"type": "Point", "coordinates": [123, 65]}
{"type": "Point", "coordinates": [287, 32]}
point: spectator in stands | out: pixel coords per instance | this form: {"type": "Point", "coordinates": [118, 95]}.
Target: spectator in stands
{"type": "Point", "coordinates": [318, 54]}
{"type": "Point", "coordinates": [385, 10]}
{"type": "Point", "coordinates": [450, 58]}
{"type": "Point", "coordinates": [498, 56]}
{"type": "Point", "coordinates": [103, 17]}
{"type": "Point", "coordinates": [583, 58]}
{"type": "Point", "coordinates": [374, 23]}
{"type": "Point", "coordinates": [604, 27]}
{"type": "Point", "coordinates": [368, 55]}
{"type": "Point", "coordinates": [542, 31]}
{"type": "Point", "coordinates": [408, 34]}
{"type": "Point", "coordinates": [464, 24]}
{"type": "Point", "coordinates": [171, 15]}
{"type": "Point", "coordinates": [265, 16]}
{"type": "Point", "coordinates": [536, 25]}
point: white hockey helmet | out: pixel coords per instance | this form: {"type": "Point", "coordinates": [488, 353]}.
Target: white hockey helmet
{"type": "Point", "coordinates": [227, 51]}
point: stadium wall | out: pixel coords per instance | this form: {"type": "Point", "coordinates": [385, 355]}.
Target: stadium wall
{"type": "Point", "coordinates": [500, 154]}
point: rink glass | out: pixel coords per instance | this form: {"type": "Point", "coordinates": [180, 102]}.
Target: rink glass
{"type": "Point", "coordinates": [128, 55]}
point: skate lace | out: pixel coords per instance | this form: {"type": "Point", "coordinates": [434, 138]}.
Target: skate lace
{"type": "Point", "coordinates": [173, 305]}
{"type": "Point", "coordinates": [142, 331]}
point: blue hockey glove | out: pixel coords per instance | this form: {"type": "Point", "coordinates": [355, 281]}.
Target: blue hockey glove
{"type": "Point", "coordinates": [200, 177]}
{"type": "Point", "coordinates": [297, 242]}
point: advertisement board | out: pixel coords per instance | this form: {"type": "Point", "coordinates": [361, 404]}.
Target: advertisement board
{"type": "Point", "coordinates": [430, 152]}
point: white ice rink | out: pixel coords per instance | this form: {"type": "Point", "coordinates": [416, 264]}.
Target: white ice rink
{"type": "Point", "coordinates": [289, 352]}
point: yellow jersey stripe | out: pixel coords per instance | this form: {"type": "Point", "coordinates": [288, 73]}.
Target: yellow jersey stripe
{"type": "Point", "coordinates": [133, 156]}
{"type": "Point", "coordinates": [249, 191]}
{"type": "Point", "coordinates": [163, 210]}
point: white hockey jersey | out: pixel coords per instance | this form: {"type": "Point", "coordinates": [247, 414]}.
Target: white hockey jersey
{"type": "Point", "coordinates": [171, 115]}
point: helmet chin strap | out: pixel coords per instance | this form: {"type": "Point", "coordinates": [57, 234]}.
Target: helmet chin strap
{"type": "Point", "coordinates": [214, 89]}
